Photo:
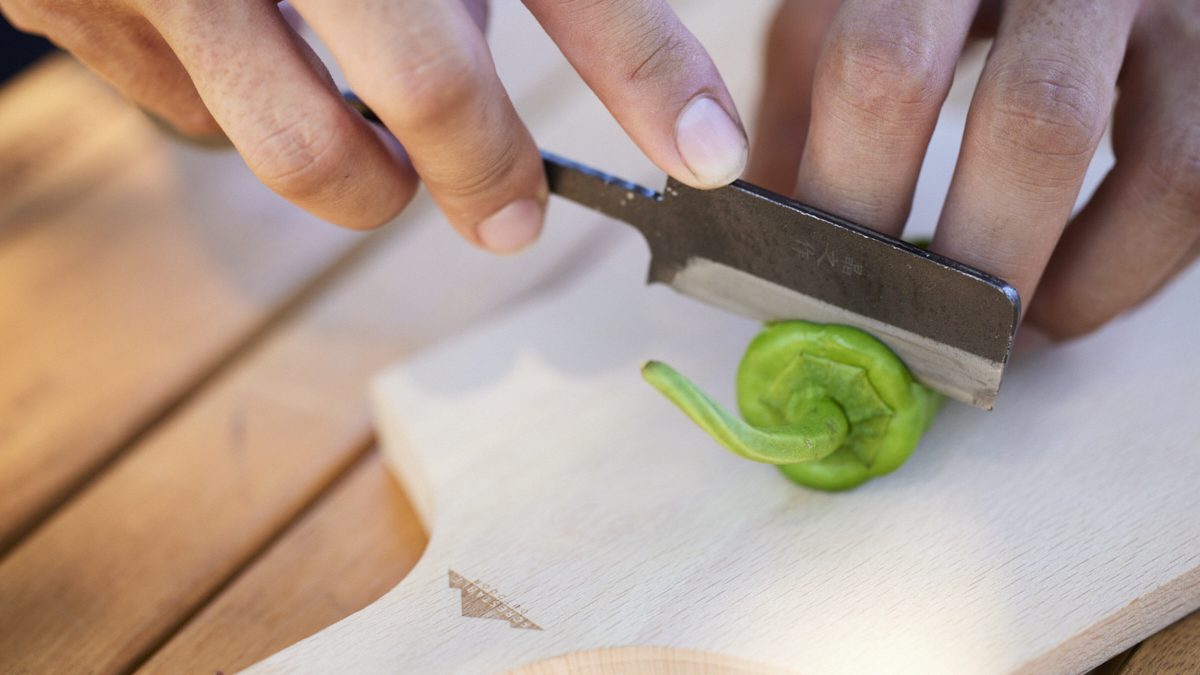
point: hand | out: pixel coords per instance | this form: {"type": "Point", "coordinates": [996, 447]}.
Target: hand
{"type": "Point", "coordinates": [853, 90]}
{"type": "Point", "coordinates": [425, 69]}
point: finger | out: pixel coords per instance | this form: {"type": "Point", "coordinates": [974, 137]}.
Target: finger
{"type": "Point", "coordinates": [480, 13]}
{"type": "Point", "coordinates": [424, 68]}
{"type": "Point", "coordinates": [1142, 226]}
{"type": "Point", "coordinates": [283, 115]}
{"type": "Point", "coordinates": [124, 49]}
{"type": "Point", "coordinates": [1039, 111]}
{"type": "Point", "coordinates": [657, 81]}
{"type": "Point", "coordinates": [793, 44]}
{"type": "Point", "coordinates": [884, 71]}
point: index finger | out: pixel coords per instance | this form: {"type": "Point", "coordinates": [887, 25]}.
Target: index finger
{"type": "Point", "coordinates": [656, 79]}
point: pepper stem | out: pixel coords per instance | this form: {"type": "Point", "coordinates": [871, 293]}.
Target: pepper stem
{"type": "Point", "coordinates": [822, 431]}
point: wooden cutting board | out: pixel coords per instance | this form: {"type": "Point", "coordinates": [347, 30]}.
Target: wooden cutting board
{"type": "Point", "coordinates": [579, 522]}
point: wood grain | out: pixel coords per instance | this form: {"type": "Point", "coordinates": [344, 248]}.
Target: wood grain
{"type": "Point", "coordinates": [144, 546]}
{"type": "Point", "coordinates": [519, 474]}
{"type": "Point", "coordinates": [104, 582]}
{"type": "Point", "coordinates": [1175, 650]}
{"type": "Point", "coordinates": [289, 410]}
{"type": "Point", "coordinates": [116, 301]}
{"type": "Point", "coordinates": [355, 543]}
{"type": "Point", "coordinates": [56, 154]}
{"type": "Point", "coordinates": [58, 130]}
{"type": "Point", "coordinates": [1041, 537]}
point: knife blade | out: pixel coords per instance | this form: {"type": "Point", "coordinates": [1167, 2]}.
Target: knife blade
{"type": "Point", "coordinates": [765, 256]}
{"type": "Point", "coordinates": [757, 253]}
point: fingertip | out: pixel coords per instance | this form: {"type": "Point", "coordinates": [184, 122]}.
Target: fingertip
{"type": "Point", "coordinates": [713, 147]}
{"type": "Point", "coordinates": [513, 228]}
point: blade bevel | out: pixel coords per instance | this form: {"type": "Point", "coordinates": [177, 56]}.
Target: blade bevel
{"type": "Point", "coordinates": [763, 255]}
{"type": "Point", "coordinates": [800, 248]}
{"type": "Point", "coordinates": [957, 373]}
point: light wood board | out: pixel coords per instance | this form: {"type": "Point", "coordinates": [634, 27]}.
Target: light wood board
{"type": "Point", "coordinates": [1044, 536]}
{"type": "Point", "coordinates": [331, 553]}
{"type": "Point", "coordinates": [100, 585]}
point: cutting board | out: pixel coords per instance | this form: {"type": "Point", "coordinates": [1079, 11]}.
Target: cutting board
{"type": "Point", "coordinates": [579, 523]}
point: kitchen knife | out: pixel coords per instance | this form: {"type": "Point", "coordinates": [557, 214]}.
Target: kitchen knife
{"type": "Point", "coordinates": [762, 255]}
{"type": "Point", "coordinates": [771, 258]}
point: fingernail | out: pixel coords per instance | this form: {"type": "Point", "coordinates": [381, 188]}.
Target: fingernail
{"type": "Point", "coordinates": [512, 228]}
{"type": "Point", "coordinates": [712, 146]}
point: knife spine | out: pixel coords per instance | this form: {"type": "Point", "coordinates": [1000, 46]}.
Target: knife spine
{"type": "Point", "coordinates": [615, 197]}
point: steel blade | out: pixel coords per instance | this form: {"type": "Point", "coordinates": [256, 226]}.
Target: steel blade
{"type": "Point", "coordinates": [765, 256]}
{"type": "Point", "coordinates": [953, 371]}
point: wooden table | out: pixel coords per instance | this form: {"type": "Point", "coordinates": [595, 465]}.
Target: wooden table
{"type": "Point", "coordinates": [188, 481]}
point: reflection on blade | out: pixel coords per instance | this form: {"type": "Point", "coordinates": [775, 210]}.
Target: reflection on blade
{"type": "Point", "coordinates": [954, 372]}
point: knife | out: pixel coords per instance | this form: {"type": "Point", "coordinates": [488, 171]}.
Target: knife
{"type": "Point", "coordinates": [762, 255]}
{"type": "Point", "coordinates": [771, 258]}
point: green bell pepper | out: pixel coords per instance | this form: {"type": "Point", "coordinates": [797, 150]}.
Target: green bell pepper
{"type": "Point", "coordinates": [830, 405]}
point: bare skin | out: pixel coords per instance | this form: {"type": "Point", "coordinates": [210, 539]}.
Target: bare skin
{"type": "Point", "coordinates": [854, 88]}
{"type": "Point", "coordinates": [238, 67]}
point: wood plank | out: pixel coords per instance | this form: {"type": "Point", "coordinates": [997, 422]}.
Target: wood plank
{"type": "Point", "coordinates": [129, 268]}
{"type": "Point", "coordinates": [1114, 665]}
{"type": "Point", "coordinates": [1081, 647]}
{"type": "Point", "coordinates": [58, 125]}
{"type": "Point", "coordinates": [725, 43]}
{"type": "Point", "coordinates": [204, 653]}
{"type": "Point", "coordinates": [356, 543]}
{"type": "Point", "coordinates": [1174, 650]}
{"type": "Point", "coordinates": [1044, 536]}
{"type": "Point", "coordinates": [225, 255]}
{"type": "Point", "coordinates": [214, 645]}
{"type": "Point", "coordinates": [141, 549]}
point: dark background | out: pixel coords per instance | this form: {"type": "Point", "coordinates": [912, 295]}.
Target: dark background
{"type": "Point", "coordinates": [18, 50]}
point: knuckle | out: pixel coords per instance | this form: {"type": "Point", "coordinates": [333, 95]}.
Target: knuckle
{"type": "Point", "coordinates": [297, 159]}
{"type": "Point", "coordinates": [426, 90]}
{"type": "Point", "coordinates": [475, 179]}
{"type": "Point", "coordinates": [650, 52]}
{"type": "Point", "coordinates": [1047, 109]}
{"type": "Point", "coordinates": [654, 56]}
{"type": "Point", "coordinates": [893, 76]}
{"type": "Point", "coordinates": [647, 41]}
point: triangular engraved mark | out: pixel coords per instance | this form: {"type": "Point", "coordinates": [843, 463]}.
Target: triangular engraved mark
{"type": "Point", "coordinates": [481, 603]}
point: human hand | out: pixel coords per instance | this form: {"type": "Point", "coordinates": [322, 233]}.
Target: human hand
{"type": "Point", "coordinates": [853, 90]}
{"type": "Point", "coordinates": [424, 67]}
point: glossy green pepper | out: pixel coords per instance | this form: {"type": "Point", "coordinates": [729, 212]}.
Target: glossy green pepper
{"type": "Point", "coordinates": [831, 405]}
